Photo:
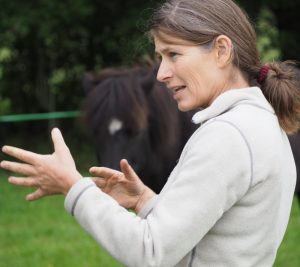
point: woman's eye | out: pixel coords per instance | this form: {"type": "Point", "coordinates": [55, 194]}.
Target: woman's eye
{"type": "Point", "coordinates": [173, 55]}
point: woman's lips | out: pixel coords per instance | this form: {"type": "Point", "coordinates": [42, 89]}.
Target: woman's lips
{"type": "Point", "coordinates": [177, 90]}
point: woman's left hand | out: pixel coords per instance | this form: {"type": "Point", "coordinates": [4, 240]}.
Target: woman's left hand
{"type": "Point", "coordinates": [49, 174]}
{"type": "Point", "coordinates": [125, 186]}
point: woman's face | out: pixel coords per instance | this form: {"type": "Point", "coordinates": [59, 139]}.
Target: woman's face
{"type": "Point", "coordinates": [190, 71]}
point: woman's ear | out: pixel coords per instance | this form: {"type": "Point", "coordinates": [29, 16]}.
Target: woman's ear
{"type": "Point", "coordinates": [224, 50]}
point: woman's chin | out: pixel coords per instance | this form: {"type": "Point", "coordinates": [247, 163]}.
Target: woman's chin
{"type": "Point", "coordinates": [184, 108]}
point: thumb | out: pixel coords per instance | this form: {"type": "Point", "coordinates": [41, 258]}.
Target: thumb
{"type": "Point", "coordinates": [58, 141]}
{"type": "Point", "coordinates": [128, 171]}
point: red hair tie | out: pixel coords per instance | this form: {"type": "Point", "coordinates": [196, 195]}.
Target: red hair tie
{"type": "Point", "coordinates": [262, 75]}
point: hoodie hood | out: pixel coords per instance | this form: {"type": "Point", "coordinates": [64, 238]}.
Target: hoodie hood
{"type": "Point", "coordinates": [230, 99]}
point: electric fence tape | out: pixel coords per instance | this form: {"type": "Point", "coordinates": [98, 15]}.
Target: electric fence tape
{"type": "Point", "coordinates": [39, 116]}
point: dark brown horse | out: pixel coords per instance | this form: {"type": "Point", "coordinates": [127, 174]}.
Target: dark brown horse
{"type": "Point", "coordinates": [131, 115]}
{"type": "Point", "coordinates": [295, 144]}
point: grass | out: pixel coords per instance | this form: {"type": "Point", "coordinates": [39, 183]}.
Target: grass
{"type": "Point", "coordinates": [289, 251]}
{"type": "Point", "coordinates": [43, 234]}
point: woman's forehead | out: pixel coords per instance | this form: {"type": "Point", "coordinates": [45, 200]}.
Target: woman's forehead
{"type": "Point", "coordinates": [164, 41]}
{"type": "Point", "coordinates": [161, 38]}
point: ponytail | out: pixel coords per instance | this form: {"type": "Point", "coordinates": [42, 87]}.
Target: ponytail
{"type": "Point", "coordinates": [280, 83]}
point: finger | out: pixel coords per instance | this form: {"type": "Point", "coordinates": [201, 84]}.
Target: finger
{"type": "Point", "coordinates": [39, 193]}
{"type": "Point", "coordinates": [20, 154]}
{"type": "Point", "coordinates": [100, 182]}
{"type": "Point", "coordinates": [25, 182]}
{"type": "Point", "coordinates": [58, 141]}
{"type": "Point", "coordinates": [17, 167]}
{"type": "Point", "coordinates": [102, 171]}
{"type": "Point", "coordinates": [128, 171]}
{"type": "Point", "coordinates": [113, 180]}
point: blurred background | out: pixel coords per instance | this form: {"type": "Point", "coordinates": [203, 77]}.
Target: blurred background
{"type": "Point", "coordinates": [46, 46]}
{"type": "Point", "coordinates": [45, 49]}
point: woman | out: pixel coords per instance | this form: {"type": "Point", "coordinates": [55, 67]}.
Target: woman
{"type": "Point", "coordinates": [227, 201]}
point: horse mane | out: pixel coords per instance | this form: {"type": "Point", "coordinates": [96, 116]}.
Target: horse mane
{"type": "Point", "coordinates": [114, 94]}
{"type": "Point", "coordinates": [134, 96]}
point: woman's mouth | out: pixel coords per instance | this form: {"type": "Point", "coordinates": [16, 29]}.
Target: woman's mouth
{"type": "Point", "coordinates": [178, 88]}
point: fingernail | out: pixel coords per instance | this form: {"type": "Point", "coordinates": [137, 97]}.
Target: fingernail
{"type": "Point", "coordinates": [55, 130]}
{"type": "Point", "coordinates": [92, 169]}
{"type": "Point", "coordinates": [3, 164]}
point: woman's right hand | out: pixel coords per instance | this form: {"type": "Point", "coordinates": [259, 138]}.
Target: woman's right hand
{"type": "Point", "coordinates": [125, 186]}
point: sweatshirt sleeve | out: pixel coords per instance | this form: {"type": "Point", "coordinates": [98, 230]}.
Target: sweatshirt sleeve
{"type": "Point", "coordinates": [213, 173]}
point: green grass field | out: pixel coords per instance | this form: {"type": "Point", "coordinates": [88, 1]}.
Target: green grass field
{"type": "Point", "coordinates": [42, 234]}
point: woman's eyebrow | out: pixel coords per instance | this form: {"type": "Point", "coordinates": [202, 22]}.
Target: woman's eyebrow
{"type": "Point", "coordinates": [163, 51]}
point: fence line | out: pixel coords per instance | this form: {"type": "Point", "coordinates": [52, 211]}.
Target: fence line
{"type": "Point", "coordinates": [39, 116]}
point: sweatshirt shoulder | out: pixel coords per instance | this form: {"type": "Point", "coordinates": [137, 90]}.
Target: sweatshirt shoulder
{"type": "Point", "coordinates": [220, 135]}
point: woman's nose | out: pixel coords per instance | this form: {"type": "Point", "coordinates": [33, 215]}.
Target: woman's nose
{"type": "Point", "coordinates": [164, 72]}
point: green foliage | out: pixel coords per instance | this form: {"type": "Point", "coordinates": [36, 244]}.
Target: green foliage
{"type": "Point", "coordinates": [5, 56]}
{"type": "Point", "coordinates": [46, 46]}
{"type": "Point", "coordinates": [4, 106]}
{"type": "Point", "coordinates": [267, 36]}
{"type": "Point", "coordinates": [285, 19]}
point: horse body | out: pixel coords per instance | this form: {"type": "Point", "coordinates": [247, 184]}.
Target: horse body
{"type": "Point", "coordinates": [295, 145]}
{"type": "Point", "coordinates": [131, 115]}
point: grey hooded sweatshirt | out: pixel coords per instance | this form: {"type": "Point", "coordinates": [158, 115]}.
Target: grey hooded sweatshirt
{"type": "Point", "coordinates": [226, 203]}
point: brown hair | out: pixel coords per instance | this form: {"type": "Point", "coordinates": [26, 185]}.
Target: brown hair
{"type": "Point", "coordinates": [201, 21]}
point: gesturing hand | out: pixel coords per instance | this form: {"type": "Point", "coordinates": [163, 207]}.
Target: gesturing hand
{"type": "Point", "coordinates": [49, 174]}
{"type": "Point", "coordinates": [125, 186]}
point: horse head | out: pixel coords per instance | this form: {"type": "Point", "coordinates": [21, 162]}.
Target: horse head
{"type": "Point", "coordinates": [131, 115]}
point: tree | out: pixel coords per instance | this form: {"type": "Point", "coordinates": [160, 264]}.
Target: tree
{"type": "Point", "coordinates": [285, 19]}
{"type": "Point", "coordinates": [47, 45]}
